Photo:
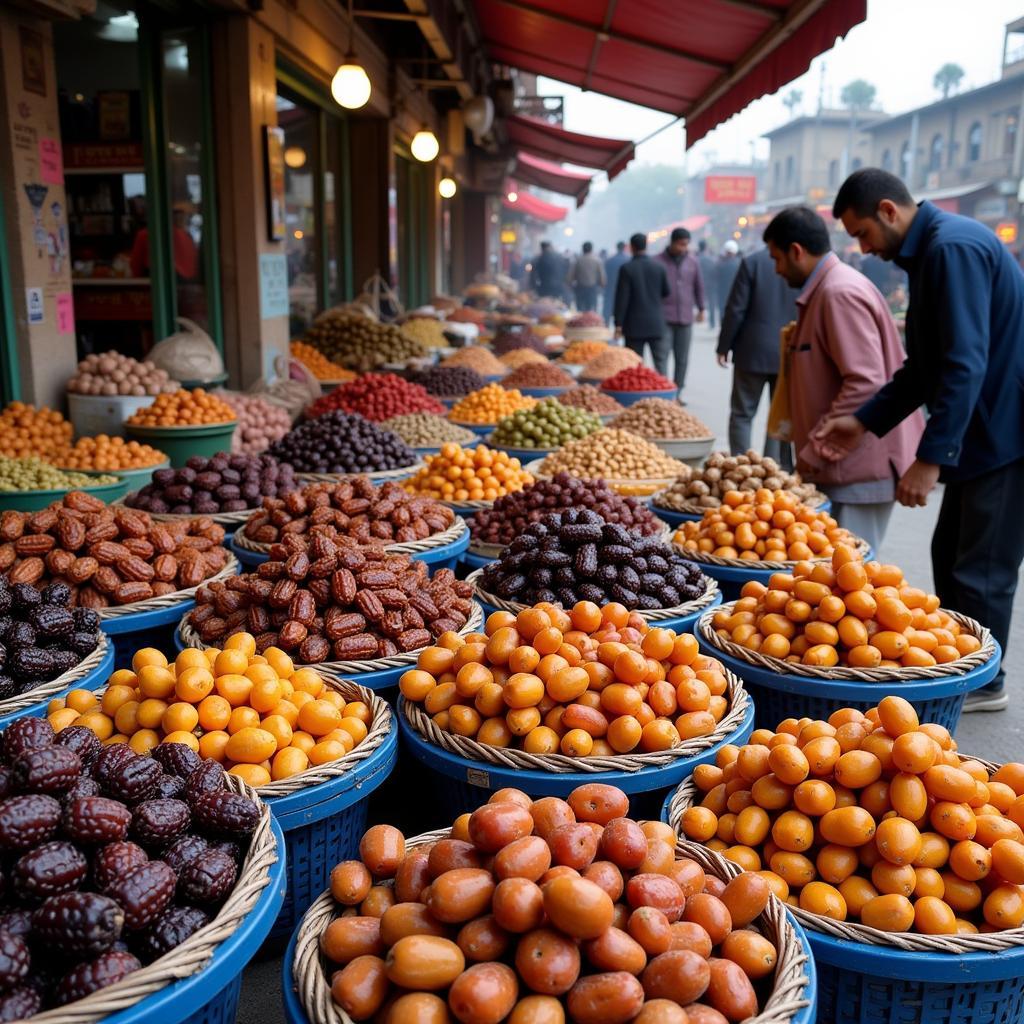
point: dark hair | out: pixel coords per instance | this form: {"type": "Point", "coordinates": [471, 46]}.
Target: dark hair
{"type": "Point", "coordinates": [588, 246]}
{"type": "Point", "coordinates": [544, 246]}
{"type": "Point", "coordinates": [798, 224]}
{"type": "Point", "coordinates": [702, 245]}
{"type": "Point", "coordinates": [679, 235]}
{"type": "Point", "coordinates": [620, 246]}
{"type": "Point", "coordinates": [865, 189]}
{"type": "Point", "coordinates": [638, 241]}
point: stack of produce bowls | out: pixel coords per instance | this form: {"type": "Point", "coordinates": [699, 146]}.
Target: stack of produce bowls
{"type": "Point", "coordinates": [184, 423]}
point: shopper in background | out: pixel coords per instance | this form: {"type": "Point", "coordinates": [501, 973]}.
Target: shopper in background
{"type": "Point", "coordinates": [547, 277]}
{"type": "Point", "coordinates": [612, 265]}
{"type": "Point", "coordinates": [965, 363]}
{"type": "Point", "coordinates": [707, 273]}
{"type": "Point", "coordinates": [639, 291]}
{"type": "Point", "coordinates": [844, 347]}
{"type": "Point", "coordinates": [586, 276]}
{"type": "Point", "coordinates": [760, 304]}
{"type": "Point", "coordinates": [686, 293]}
{"type": "Point", "coordinates": [726, 268]}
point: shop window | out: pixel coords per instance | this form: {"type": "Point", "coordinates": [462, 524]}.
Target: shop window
{"type": "Point", "coordinates": [974, 142]}
{"type": "Point", "coordinates": [905, 161]}
{"type": "Point", "coordinates": [789, 170]}
{"type": "Point", "coordinates": [887, 160]}
{"type": "Point", "coordinates": [1010, 135]}
{"type": "Point", "coordinates": [935, 152]}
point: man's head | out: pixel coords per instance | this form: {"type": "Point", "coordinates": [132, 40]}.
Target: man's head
{"type": "Point", "coordinates": [588, 247]}
{"type": "Point", "coordinates": [876, 209]}
{"type": "Point", "coordinates": [679, 241]}
{"type": "Point", "coordinates": [797, 239]}
{"type": "Point", "coordinates": [731, 248]}
{"type": "Point", "coordinates": [620, 246]}
{"type": "Point", "coordinates": [545, 247]}
{"type": "Point", "coordinates": [702, 245]}
{"type": "Point", "coordinates": [638, 243]}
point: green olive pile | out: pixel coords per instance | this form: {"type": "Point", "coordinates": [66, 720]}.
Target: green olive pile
{"type": "Point", "coordinates": [35, 475]}
{"type": "Point", "coordinates": [359, 343]}
{"type": "Point", "coordinates": [548, 425]}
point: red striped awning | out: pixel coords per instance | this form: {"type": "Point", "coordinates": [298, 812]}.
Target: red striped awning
{"type": "Point", "coordinates": [530, 205]}
{"type": "Point", "coordinates": [549, 142]}
{"type": "Point", "coordinates": [552, 177]}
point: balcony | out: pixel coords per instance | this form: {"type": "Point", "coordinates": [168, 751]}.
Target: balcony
{"type": "Point", "coordinates": [966, 173]}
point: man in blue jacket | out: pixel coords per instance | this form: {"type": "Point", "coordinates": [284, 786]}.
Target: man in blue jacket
{"type": "Point", "coordinates": [965, 362]}
{"type": "Point", "coordinates": [612, 266]}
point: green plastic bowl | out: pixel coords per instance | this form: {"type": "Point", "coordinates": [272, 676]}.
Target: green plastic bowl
{"type": "Point", "coordinates": [180, 443]}
{"type": "Point", "coordinates": [32, 501]}
{"type": "Point", "coordinates": [136, 479]}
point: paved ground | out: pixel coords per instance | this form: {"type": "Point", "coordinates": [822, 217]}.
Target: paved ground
{"type": "Point", "coordinates": [996, 736]}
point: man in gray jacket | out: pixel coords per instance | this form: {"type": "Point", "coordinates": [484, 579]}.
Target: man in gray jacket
{"type": "Point", "coordinates": [641, 287]}
{"type": "Point", "coordinates": [759, 305]}
{"type": "Point", "coordinates": [586, 276]}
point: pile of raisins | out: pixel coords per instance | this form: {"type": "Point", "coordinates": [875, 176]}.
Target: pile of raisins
{"type": "Point", "coordinates": [577, 556]}
{"type": "Point", "coordinates": [110, 859]}
{"type": "Point", "coordinates": [41, 636]}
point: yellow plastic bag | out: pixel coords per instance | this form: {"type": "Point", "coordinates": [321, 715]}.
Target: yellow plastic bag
{"type": "Point", "coordinates": [780, 420]}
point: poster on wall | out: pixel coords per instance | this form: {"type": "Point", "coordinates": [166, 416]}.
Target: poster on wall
{"type": "Point", "coordinates": [273, 151]}
{"type": "Point", "coordinates": [33, 61]}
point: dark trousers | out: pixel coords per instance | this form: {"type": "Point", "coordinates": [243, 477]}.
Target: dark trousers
{"type": "Point", "coordinates": [747, 388]}
{"type": "Point", "coordinates": [637, 344]}
{"type": "Point", "coordinates": [586, 297]}
{"type": "Point", "coordinates": [978, 546]}
{"type": "Point", "coordinates": [675, 340]}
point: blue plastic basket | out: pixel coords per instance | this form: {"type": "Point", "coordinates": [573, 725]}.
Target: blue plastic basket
{"type": "Point", "coordinates": [210, 996]}
{"type": "Point", "coordinates": [90, 681]}
{"type": "Point", "coordinates": [632, 397]}
{"type": "Point", "coordinates": [293, 1011]}
{"type": "Point", "coordinates": [552, 392]}
{"type": "Point", "coordinates": [474, 562]}
{"type": "Point", "coordinates": [144, 629]}
{"type": "Point", "coordinates": [666, 515]}
{"type": "Point", "coordinates": [323, 825]}
{"type": "Point", "coordinates": [480, 429]}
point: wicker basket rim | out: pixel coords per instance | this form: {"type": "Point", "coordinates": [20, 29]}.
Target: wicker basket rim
{"type": "Point", "coordinates": [435, 540]}
{"type": "Point", "coordinates": [30, 698]}
{"type": "Point", "coordinates": [220, 518]}
{"type": "Point", "coordinates": [862, 548]}
{"type": "Point", "coordinates": [814, 500]}
{"type": "Point", "coordinates": [154, 604]}
{"type": "Point", "coordinates": [398, 473]}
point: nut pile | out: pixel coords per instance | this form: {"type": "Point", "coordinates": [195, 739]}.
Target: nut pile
{"type": "Point", "coordinates": [318, 364]}
{"type": "Point", "coordinates": [360, 343]}
{"type": "Point", "coordinates": [41, 636]}
{"type": "Point", "coordinates": [183, 409]}
{"type": "Point", "coordinates": [616, 454]}
{"type": "Point", "coordinates": [339, 442]}
{"type": "Point", "coordinates": [769, 526]}
{"type": "Point", "coordinates": [377, 397]}
{"type": "Point", "coordinates": [582, 352]}
{"type": "Point", "coordinates": [538, 375]}
{"type": "Point", "coordinates": [352, 508]}
{"type": "Point", "coordinates": [490, 404]}
{"type": "Point", "coordinates": [426, 430]}
{"type": "Point", "coordinates": [637, 378]}
{"type": "Point", "coordinates": [115, 859]}
{"type": "Point", "coordinates": [468, 474]}
{"type": "Point", "coordinates": [660, 418]}
{"type": "Point", "coordinates": [475, 357]}
{"type": "Point", "coordinates": [31, 474]}
{"type": "Point", "coordinates": [608, 363]}
{"type": "Point", "coordinates": [549, 424]}
{"type": "Point", "coordinates": [263, 720]}
{"type": "Point", "coordinates": [509, 338]}
{"type": "Point", "coordinates": [425, 330]}
{"type": "Point", "coordinates": [861, 614]}
{"type": "Point", "coordinates": [111, 453]}
{"type": "Point", "coordinates": [723, 472]}
{"type": "Point", "coordinates": [221, 483]}
{"type": "Point", "coordinates": [338, 600]}
{"type": "Point", "coordinates": [260, 423]}
{"type": "Point", "coordinates": [108, 556]}
{"type": "Point", "coordinates": [575, 556]}
{"type": "Point", "coordinates": [449, 381]}
{"type": "Point", "coordinates": [586, 396]}
{"type": "Point", "coordinates": [521, 357]}
{"type": "Point", "coordinates": [871, 817]}
{"type": "Point", "coordinates": [513, 513]}
{"type": "Point", "coordinates": [26, 430]}
{"type": "Point", "coordinates": [112, 373]}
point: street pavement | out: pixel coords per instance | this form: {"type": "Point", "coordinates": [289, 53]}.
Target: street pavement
{"type": "Point", "coordinates": [996, 737]}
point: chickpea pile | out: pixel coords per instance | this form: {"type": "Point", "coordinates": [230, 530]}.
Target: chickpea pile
{"type": "Point", "coordinates": [861, 614]}
{"type": "Point", "coordinates": [183, 409]}
{"type": "Point", "coordinates": [614, 454]}
{"type": "Point", "coordinates": [872, 817]}
{"type": "Point", "coordinates": [541, 912]}
{"type": "Point", "coordinates": [318, 364]}
{"type": "Point", "coordinates": [109, 453]}
{"type": "Point", "coordinates": [468, 474]}
{"type": "Point", "coordinates": [258, 715]}
{"type": "Point", "coordinates": [490, 404]}
{"type": "Point", "coordinates": [589, 682]}
{"type": "Point", "coordinates": [26, 430]}
{"type": "Point", "coordinates": [768, 526]}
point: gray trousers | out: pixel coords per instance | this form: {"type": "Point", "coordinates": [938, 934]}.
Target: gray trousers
{"type": "Point", "coordinates": [867, 521]}
{"type": "Point", "coordinates": [675, 340]}
{"type": "Point", "coordinates": [747, 388]}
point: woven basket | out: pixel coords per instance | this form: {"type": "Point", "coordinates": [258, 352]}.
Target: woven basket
{"type": "Point", "coordinates": [706, 633]}
{"type": "Point", "coordinates": [792, 992]}
{"type": "Point", "coordinates": [653, 616]}
{"type": "Point", "coordinates": [815, 500]}
{"type": "Point", "coordinates": [29, 699]}
{"type": "Point", "coordinates": [194, 953]}
{"type": "Point", "coordinates": [229, 520]}
{"type": "Point", "coordinates": [155, 604]}
{"type": "Point", "coordinates": [190, 638]}
{"type": "Point", "coordinates": [468, 506]}
{"type": "Point", "coordinates": [378, 477]}
{"type": "Point", "coordinates": [510, 758]}
{"type": "Point", "coordinates": [863, 549]}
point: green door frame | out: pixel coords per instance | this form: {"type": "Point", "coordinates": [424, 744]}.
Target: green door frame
{"type": "Point", "coordinates": [413, 274]}
{"type": "Point", "coordinates": [10, 369]}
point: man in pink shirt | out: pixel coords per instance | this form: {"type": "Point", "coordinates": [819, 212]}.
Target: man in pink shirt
{"type": "Point", "coordinates": [844, 348]}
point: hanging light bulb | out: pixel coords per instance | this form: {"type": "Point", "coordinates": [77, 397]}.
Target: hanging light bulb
{"type": "Point", "coordinates": [425, 146]}
{"type": "Point", "coordinates": [512, 196]}
{"type": "Point", "coordinates": [295, 157]}
{"type": "Point", "coordinates": [350, 86]}
{"type": "Point", "coordinates": [446, 188]}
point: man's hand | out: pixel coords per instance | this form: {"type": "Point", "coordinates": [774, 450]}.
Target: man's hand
{"type": "Point", "coordinates": [700, 316]}
{"type": "Point", "coordinates": [723, 358]}
{"type": "Point", "coordinates": [917, 483]}
{"type": "Point", "coordinates": [837, 436]}
{"type": "Point", "coordinates": [618, 333]}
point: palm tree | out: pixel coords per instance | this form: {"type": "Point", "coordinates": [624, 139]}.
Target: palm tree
{"type": "Point", "coordinates": [947, 79]}
{"type": "Point", "coordinates": [858, 95]}
{"type": "Point", "coordinates": [792, 100]}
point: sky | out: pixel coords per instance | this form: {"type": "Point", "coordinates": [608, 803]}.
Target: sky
{"type": "Point", "coordinates": [898, 49]}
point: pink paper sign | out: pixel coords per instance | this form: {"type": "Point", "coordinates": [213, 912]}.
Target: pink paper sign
{"type": "Point", "coordinates": [65, 313]}
{"type": "Point", "coordinates": [51, 164]}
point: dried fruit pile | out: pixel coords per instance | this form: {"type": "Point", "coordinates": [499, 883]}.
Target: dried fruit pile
{"type": "Point", "coordinates": [426, 330]}
{"type": "Point", "coordinates": [871, 817]}
{"type": "Point", "coordinates": [637, 378]}
{"type": "Point", "coordinates": [769, 526]}
{"type": "Point", "coordinates": [448, 381]}
{"type": "Point", "coordinates": [32, 474]}
{"type": "Point", "coordinates": [617, 454]}
{"type": "Point", "coordinates": [360, 343]}
{"type": "Point", "coordinates": [538, 375]}
{"type": "Point", "coordinates": [221, 483]}
{"type": "Point", "coordinates": [260, 422]}
{"type": "Point", "coordinates": [849, 612]}
{"type": "Point", "coordinates": [490, 404]}
{"type": "Point", "coordinates": [549, 424]}
{"type": "Point", "coordinates": [339, 442]}
{"type": "Point", "coordinates": [318, 364]}
{"type": "Point", "coordinates": [26, 430]}
{"type": "Point", "coordinates": [468, 474]}
{"type": "Point", "coordinates": [113, 859]}
{"type": "Point", "coordinates": [261, 718]}
{"type": "Point", "coordinates": [475, 357]}
{"type": "Point", "coordinates": [576, 555]}
{"type": "Point", "coordinates": [41, 636]}
{"type": "Point", "coordinates": [108, 453]}
{"type": "Point", "coordinates": [183, 409]}
{"type": "Point", "coordinates": [545, 911]}
{"type": "Point", "coordinates": [509, 338]}
{"type": "Point", "coordinates": [352, 508]}
{"type": "Point", "coordinates": [425, 430]}
{"type": "Point", "coordinates": [586, 396]}
{"type": "Point", "coordinates": [108, 556]}
{"type": "Point", "coordinates": [113, 373]}
{"type": "Point", "coordinates": [589, 681]}
{"type": "Point", "coordinates": [723, 472]}
{"type": "Point", "coordinates": [588, 319]}
{"type": "Point", "coordinates": [660, 418]}
{"type": "Point", "coordinates": [336, 601]}
{"type": "Point", "coordinates": [609, 362]}
{"type": "Point", "coordinates": [378, 397]}
{"type": "Point", "coordinates": [518, 357]}
{"type": "Point", "coordinates": [582, 352]}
